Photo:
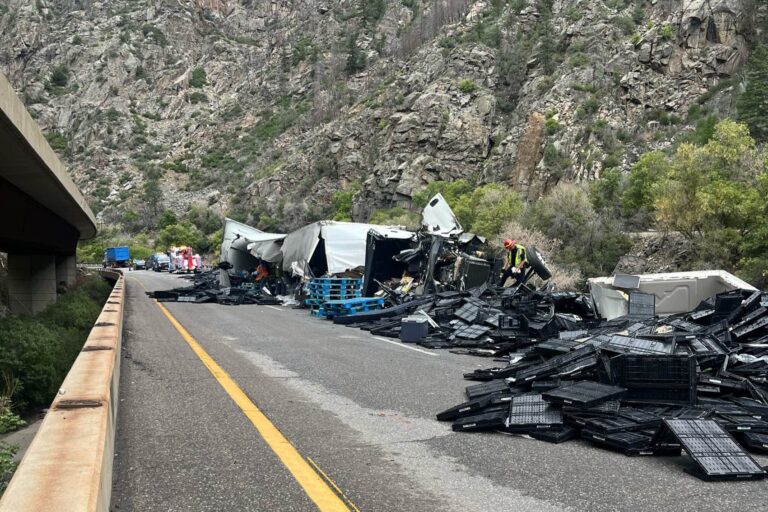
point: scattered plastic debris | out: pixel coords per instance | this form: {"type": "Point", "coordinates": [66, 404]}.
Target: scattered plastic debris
{"type": "Point", "coordinates": [696, 381]}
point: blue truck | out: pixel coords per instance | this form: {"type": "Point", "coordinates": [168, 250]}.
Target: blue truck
{"type": "Point", "coordinates": [117, 257]}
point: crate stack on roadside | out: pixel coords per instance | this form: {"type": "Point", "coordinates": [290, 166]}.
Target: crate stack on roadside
{"type": "Point", "coordinates": [325, 289]}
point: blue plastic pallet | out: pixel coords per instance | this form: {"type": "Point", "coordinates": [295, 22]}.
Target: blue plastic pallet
{"type": "Point", "coordinates": [334, 285]}
{"type": "Point", "coordinates": [340, 280]}
{"type": "Point", "coordinates": [359, 301]}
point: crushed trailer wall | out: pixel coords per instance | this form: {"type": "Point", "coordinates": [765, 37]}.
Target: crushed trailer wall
{"type": "Point", "coordinates": [675, 293]}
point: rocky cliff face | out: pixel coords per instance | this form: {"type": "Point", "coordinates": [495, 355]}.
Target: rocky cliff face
{"type": "Point", "coordinates": [271, 107]}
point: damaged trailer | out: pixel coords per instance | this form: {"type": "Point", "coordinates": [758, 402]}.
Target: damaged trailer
{"type": "Point", "coordinates": [242, 246]}
{"type": "Point", "coordinates": [331, 247]}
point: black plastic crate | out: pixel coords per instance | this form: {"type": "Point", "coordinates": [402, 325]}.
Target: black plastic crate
{"type": "Point", "coordinates": [485, 421]}
{"type": "Point", "coordinates": [642, 305]}
{"type": "Point", "coordinates": [468, 312]}
{"type": "Point", "coordinates": [495, 386]}
{"type": "Point", "coordinates": [512, 322]}
{"type": "Point", "coordinates": [631, 443]}
{"type": "Point", "coordinates": [630, 345]}
{"type": "Point", "coordinates": [586, 355]}
{"type": "Point", "coordinates": [554, 347]}
{"type": "Point", "coordinates": [755, 407]}
{"type": "Point", "coordinates": [545, 385]}
{"type": "Point", "coordinates": [465, 409]}
{"type": "Point", "coordinates": [584, 394]}
{"type": "Point", "coordinates": [737, 423]}
{"type": "Point", "coordinates": [529, 413]}
{"type": "Point", "coordinates": [611, 425]}
{"type": "Point", "coordinates": [726, 303]}
{"type": "Point", "coordinates": [668, 379]}
{"type": "Point", "coordinates": [754, 441]}
{"type": "Point", "coordinates": [566, 433]}
{"type": "Point", "coordinates": [716, 455]}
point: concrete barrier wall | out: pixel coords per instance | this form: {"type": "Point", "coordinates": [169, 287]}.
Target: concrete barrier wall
{"type": "Point", "coordinates": [68, 466]}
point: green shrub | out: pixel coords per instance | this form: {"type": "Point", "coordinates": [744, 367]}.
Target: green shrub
{"type": "Point", "coordinates": [591, 105]}
{"type": "Point", "coordinates": [342, 205]}
{"type": "Point", "coordinates": [373, 10]}
{"type": "Point", "coordinates": [356, 59]}
{"type": "Point", "coordinates": [37, 351]}
{"type": "Point", "coordinates": [155, 33]}
{"type": "Point", "coordinates": [205, 219]}
{"type": "Point", "coordinates": [579, 60]}
{"type": "Point", "coordinates": [712, 193]}
{"type": "Point", "coordinates": [705, 130]}
{"type": "Point", "coordinates": [552, 126]}
{"type": "Point", "coordinates": [181, 233]}
{"type": "Point", "coordinates": [7, 465]}
{"type": "Point", "coordinates": [467, 86]}
{"type": "Point", "coordinates": [140, 73]}
{"type": "Point", "coordinates": [57, 141]}
{"type": "Point", "coordinates": [9, 421]}
{"type": "Point", "coordinates": [625, 24]}
{"type": "Point", "coordinates": [395, 217]}
{"type": "Point", "coordinates": [60, 76]}
{"type": "Point", "coordinates": [197, 97]}
{"type": "Point", "coordinates": [592, 241]}
{"type": "Point", "coordinates": [668, 32]}
{"type": "Point", "coordinates": [198, 78]}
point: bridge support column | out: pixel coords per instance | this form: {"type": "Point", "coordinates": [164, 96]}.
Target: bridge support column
{"type": "Point", "coordinates": [66, 269]}
{"type": "Point", "coordinates": [31, 282]}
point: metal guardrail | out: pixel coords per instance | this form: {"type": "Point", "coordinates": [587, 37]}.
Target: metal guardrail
{"type": "Point", "coordinates": [68, 466]}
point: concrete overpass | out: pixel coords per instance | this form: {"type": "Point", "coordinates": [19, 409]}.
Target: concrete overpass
{"type": "Point", "coordinates": [42, 213]}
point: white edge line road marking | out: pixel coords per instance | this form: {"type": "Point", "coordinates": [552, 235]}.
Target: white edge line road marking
{"type": "Point", "coordinates": [275, 308]}
{"type": "Point", "coordinates": [402, 345]}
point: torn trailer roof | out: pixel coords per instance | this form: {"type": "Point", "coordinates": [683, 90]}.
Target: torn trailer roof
{"type": "Point", "coordinates": [241, 245]}
{"type": "Point", "coordinates": [331, 247]}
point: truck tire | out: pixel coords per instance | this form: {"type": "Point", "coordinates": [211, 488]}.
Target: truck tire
{"type": "Point", "coordinates": [538, 263]}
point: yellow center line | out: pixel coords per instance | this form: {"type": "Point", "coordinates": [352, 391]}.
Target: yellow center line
{"type": "Point", "coordinates": [313, 484]}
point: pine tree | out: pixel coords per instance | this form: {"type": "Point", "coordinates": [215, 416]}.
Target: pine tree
{"type": "Point", "coordinates": [752, 105]}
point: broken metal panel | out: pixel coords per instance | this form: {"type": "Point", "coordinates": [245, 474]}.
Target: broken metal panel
{"type": "Point", "coordinates": [234, 244]}
{"type": "Point", "coordinates": [438, 218]}
{"type": "Point", "coordinates": [381, 247]}
{"type": "Point", "coordinates": [268, 249]}
{"type": "Point", "coordinates": [299, 246]}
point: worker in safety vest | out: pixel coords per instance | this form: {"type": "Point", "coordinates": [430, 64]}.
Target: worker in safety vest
{"type": "Point", "coordinates": [516, 261]}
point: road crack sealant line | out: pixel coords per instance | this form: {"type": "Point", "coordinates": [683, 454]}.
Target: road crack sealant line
{"type": "Point", "coordinates": [327, 498]}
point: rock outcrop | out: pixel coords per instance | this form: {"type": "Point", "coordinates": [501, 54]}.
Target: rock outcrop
{"type": "Point", "coordinates": [270, 108]}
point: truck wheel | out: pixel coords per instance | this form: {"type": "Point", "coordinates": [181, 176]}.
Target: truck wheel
{"type": "Point", "coordinates": [538, 263]}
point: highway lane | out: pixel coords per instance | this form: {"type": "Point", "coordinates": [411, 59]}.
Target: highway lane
{"type": "Point", "coordinates": [362, 409]}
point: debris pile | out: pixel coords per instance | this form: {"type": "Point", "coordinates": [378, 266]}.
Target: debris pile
{"type": "Point", "coordinates": [486, 321]}
{"type": "Point", "coordinates": [637, 384]}
{"type": "Point", "coordinates": [206, 288]}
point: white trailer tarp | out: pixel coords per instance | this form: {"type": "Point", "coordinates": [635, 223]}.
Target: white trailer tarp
{"type": "Point", "coordinates": [267, 247]}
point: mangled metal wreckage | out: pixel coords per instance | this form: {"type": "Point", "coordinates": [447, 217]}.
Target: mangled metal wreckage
{"type": "Point", "coordinates": [439, 256]}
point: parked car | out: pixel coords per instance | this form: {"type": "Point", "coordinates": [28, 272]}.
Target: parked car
{"type": "Point", "coordinates": [159, 262]}
{"type": "Point", "coordinates": [139, 264]}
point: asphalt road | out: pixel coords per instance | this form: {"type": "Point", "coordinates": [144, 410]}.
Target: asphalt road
{"type": "Point", "coordinates": [363, 410]}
